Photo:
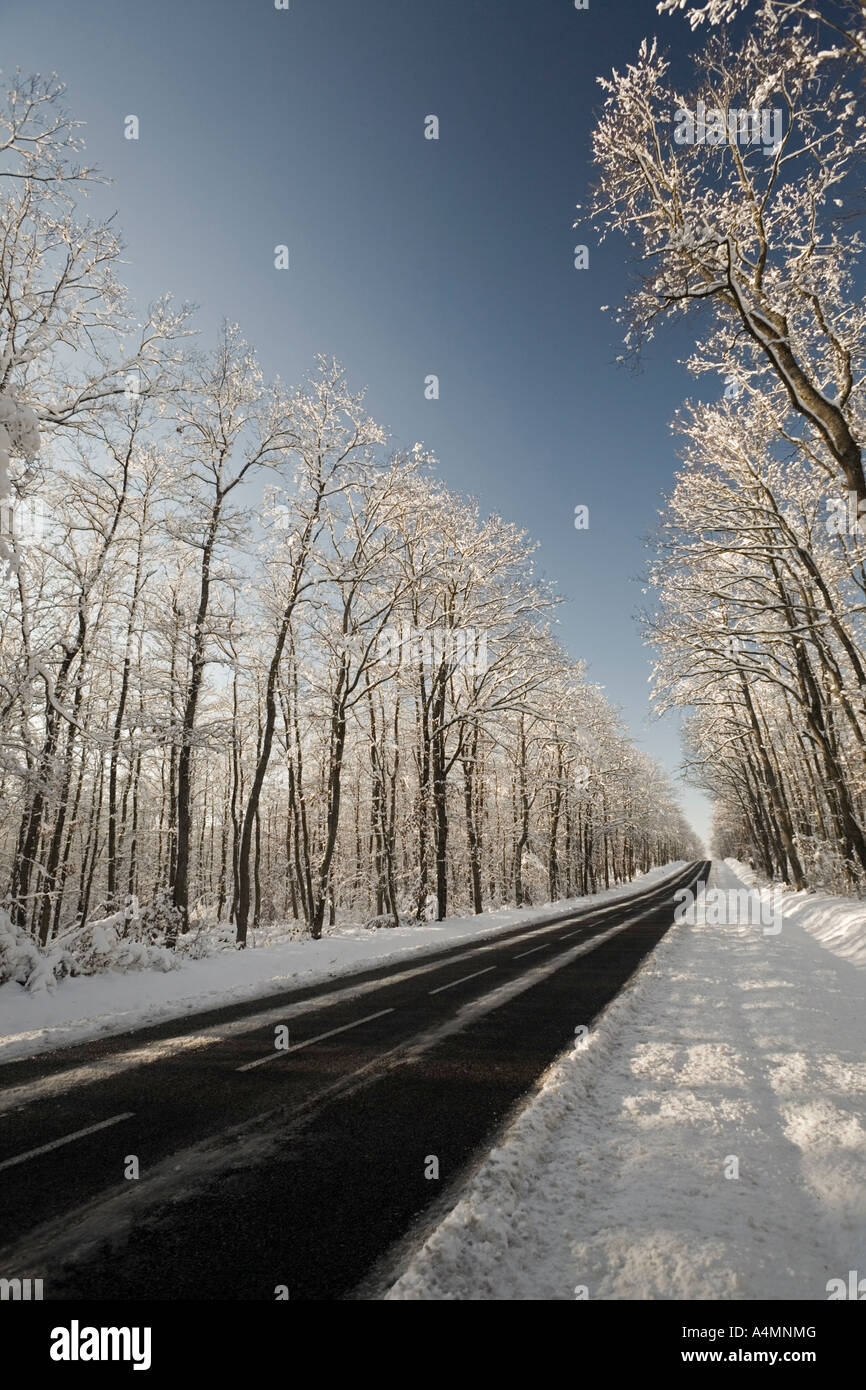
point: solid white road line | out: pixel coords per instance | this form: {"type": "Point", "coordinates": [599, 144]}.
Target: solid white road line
{"type": "Point", "coordinates": [67, 1139]}
{"type": "Point", "coordinates": [462, 980]}
{"type": "Point", "coordinates": [296, 1047]}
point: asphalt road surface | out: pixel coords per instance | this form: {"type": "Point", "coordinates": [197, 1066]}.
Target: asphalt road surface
{"type": "Point", "coordinates": [286, 1142]}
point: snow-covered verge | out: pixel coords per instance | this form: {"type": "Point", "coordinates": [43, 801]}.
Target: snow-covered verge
{"type": "Point", "coordinates": [106, 945]}
{"type": "Point", "coordinates": [80, 1007]}
{"type": "Point", "coordinates": [703, 1142]}
{"type": "Point", "coordinates": [838, 923]}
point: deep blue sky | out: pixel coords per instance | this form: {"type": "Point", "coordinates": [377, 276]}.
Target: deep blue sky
{"type": "Point", "coordinates": [408, 257]}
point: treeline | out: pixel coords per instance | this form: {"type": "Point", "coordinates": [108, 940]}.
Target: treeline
{"type": "Point", "coordinates": [255, 665]}
{"type": "Point", "coordinates": [759, 570]}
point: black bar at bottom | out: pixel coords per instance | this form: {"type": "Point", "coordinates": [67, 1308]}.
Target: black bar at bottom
{"type": "Point", "coordinates": [59, 1340]}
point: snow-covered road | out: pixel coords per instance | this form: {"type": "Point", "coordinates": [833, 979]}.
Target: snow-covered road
{"type": "Point", "coordinates": [704, 1142]}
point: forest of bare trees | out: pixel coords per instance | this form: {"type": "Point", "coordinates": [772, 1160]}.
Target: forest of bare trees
{"type": "Point", "coordinates": [759, 569]}
{"type": "Point", "coordinates": [257, 666]}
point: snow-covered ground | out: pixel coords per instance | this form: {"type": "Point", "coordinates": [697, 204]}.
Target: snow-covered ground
{"type": "Point", "coordinates": [85, 1007]}
{"type": "Point", "coordinates": [732, 1050]}
{"type": "Point", "coordinates": [838, 923]}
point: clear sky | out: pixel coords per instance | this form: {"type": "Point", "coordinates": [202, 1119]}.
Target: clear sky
{"type": "Point", "coordinates": [408, 256]}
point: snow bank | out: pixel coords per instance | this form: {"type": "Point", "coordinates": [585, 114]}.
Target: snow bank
{"type": "Point", "coordinates": [90, 950]}
{"type": "Point", "coordinates": [838, 923]}
{"type": "Point", "coordinates": [731, 1052]}
{"type": "Point", "coordinates": [80, 1008]}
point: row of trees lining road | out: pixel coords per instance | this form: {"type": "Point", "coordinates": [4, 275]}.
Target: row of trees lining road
{"type": "Point", "coordinates": [759, 570]}
{"type": "Point", "coordinates": [255, 665]}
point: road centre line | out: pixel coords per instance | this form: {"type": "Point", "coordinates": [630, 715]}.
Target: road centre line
{"type": "Point", "coordinates": [67, 1139]}
{"type": "Point", "coordinates": [462, 980]}
{"type": "Point", "coordinates": [308, 1042]}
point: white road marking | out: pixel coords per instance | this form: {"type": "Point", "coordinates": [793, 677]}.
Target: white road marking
{"type": "Point", "coordinates": [534, 949]}
{"type": "Point", "coordinates": [67, 1139]}
{"type": "Point", "coordinates": [308, 1042]}
{"type": "Point", "coordinates": [462, 980]}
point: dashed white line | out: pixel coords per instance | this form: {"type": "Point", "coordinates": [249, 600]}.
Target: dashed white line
{"type": "Point", "coordinates": [67, 1139]}
{"type": "Point", "coordinates": [308, 1042]}
{"type": "Point", "coordinates": [532, 952]}
{"type": "Point", "coordinates": [462, 980]}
